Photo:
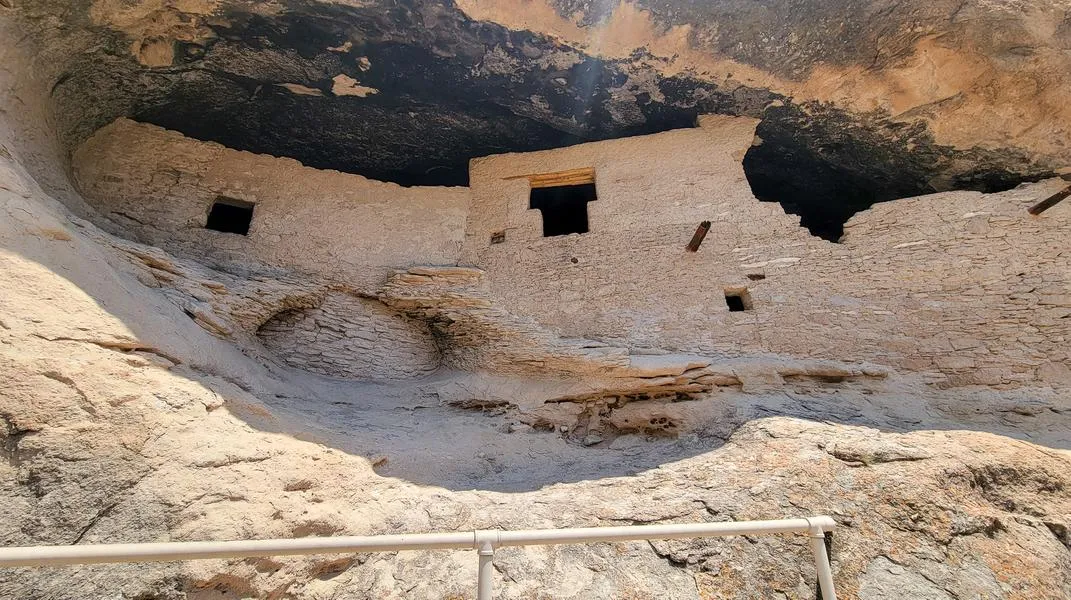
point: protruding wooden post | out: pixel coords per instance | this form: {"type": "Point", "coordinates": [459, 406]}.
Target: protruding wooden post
{"type": "Point", "coordinates": [700, 233]}
{"type": "Point", "coordinates": [1049, 202]}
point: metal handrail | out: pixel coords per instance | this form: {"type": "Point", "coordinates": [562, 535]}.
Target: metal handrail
{"type": "Point", "coordinates": [483, 541]}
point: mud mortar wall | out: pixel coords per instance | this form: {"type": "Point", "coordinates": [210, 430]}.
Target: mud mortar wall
{"type": "Point", "coordinates": [351, 337]}
{"type": "Point", "coordinates": [964, 287]}
{"type": "Point", "coordinates": [160, 186]}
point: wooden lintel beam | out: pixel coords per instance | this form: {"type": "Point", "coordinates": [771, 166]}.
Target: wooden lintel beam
{"type": "Point", "coordinates": [570, 177]}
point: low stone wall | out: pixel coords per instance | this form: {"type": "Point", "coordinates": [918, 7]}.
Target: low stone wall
{"type": "Point", "coordinates": [351, 337]}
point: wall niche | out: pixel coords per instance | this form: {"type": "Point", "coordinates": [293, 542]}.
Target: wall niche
{"type": "Point", "coordinates": [351, 337]}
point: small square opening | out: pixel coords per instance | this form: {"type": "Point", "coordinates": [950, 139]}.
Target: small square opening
{"type": "Point", "coordinates": [230, 216]}
{"type": "Point", "coordinates": [737, 299]}
{"type": "Point", "coordinates": [564, 207]}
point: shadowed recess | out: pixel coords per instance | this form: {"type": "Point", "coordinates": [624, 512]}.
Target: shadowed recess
{"type": "Point", "coordinates": [564, 208]}
{"type": "Point", "coordinates": [825, 164]}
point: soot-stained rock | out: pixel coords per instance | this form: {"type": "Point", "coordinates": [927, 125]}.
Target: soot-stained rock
{"type": "Point", "coordinates": [433, 97]}
{"type": "Point", "coordinates": [788, 37]}
{"type": "Point", "coordinates": [410, 91]}
{"type": "Point", "coordinates": [826, 164]}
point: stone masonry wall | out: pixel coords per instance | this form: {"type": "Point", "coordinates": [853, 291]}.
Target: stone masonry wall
{"type": "Point", "coordinates": [963, 287]}
{"type": "Point", "coordinates": [159, 185]}
{"type": "Point", "coordinates": [351, 337]}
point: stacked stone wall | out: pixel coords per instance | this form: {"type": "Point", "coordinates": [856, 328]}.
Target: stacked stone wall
{"type": "Point", "coordinates": [353, 338]}
{"type": "Point", "coordinates": [962, 287]}
{"type": "Point", "coordinates": [160, 185]}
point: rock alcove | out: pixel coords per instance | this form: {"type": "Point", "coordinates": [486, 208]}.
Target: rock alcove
{"type": "Point", "coordinates": [360, 357]}
{"type": "Point", "coordinates": [410, 92]}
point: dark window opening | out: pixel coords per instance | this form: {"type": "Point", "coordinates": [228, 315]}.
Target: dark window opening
{"type": "Point", "coordinates": [230, 216]}
{"type": "Point", "coordinates": [736, 303]}
{"type": "Point", "coordinates": [564, 207]}
{"type": "Point", "coordinates": [737, 299]}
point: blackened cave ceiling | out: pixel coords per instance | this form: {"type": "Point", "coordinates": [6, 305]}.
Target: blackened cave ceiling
{"type": "Point", "coordinates": [859, 100]}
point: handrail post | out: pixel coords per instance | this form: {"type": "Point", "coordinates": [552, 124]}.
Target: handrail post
{"type": "Point", "coordinates": [485, 542]}
{"type": "Point", "coordinates": [817, 533]}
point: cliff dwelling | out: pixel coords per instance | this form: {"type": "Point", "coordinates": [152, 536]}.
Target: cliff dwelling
{"type": "Point", "coordinates": [308, 270]}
